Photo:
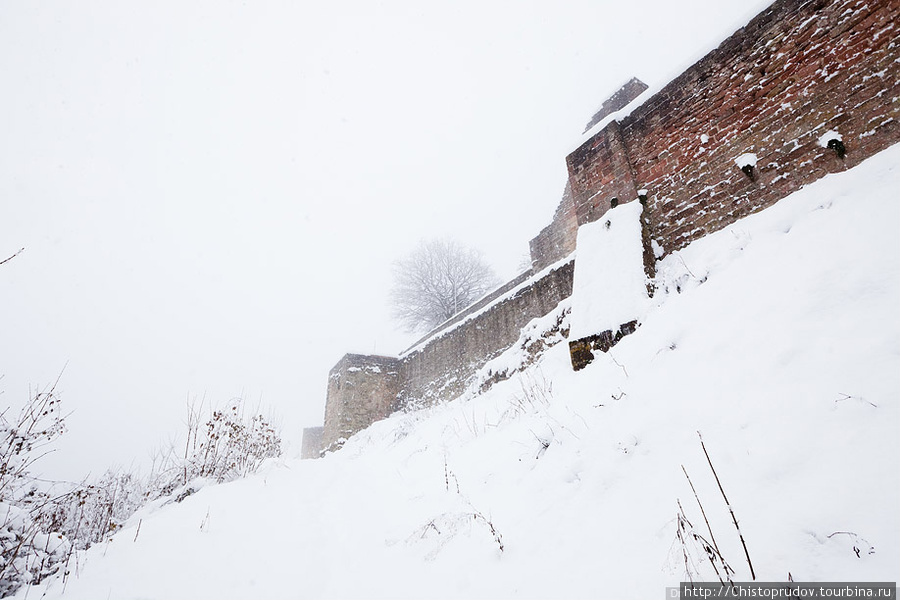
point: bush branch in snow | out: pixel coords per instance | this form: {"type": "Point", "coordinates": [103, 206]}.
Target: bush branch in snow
{"type": "Point", "coordinates": [31, 547]}
{"type": "Point", "coordinates": [436, 281]}
{"type": "Point", "coordinates": [43, 524]}
{"type": "Point", "coordinates": [689, 541]}
{"type": "Point", "coordinates": [228, 445]}
{"type": "Point", "coordinates": [537, 393]}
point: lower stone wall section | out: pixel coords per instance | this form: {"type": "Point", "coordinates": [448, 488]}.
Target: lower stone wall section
{"type": "Point", "coordinates": [364, 389]}
{"type": "Point", "coordinates": [361, 390]}
{"type": "Point", "coordinates": [441, 369]}
{"type": "Point", "coordinates": [311, 446]}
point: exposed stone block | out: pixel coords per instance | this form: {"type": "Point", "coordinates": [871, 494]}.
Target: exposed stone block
{"type": "Point", "coordinates": [581, 350]}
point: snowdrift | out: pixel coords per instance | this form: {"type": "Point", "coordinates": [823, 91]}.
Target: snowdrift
{"type": "Point", "coordinates": [777, 339]}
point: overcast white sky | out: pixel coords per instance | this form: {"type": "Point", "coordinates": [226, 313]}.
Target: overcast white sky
{"type": "Point", "coordinates": [211, 194]}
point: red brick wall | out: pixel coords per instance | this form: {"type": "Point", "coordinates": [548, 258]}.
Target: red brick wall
{"type": "Point", "coordinates": [556, 240]}
{"type": "Point", "coordinates": [796, 71]}
{"type": "Point", "coordinates": [625, 94]}
{"type": "Point", "coordinates": [599, 171]}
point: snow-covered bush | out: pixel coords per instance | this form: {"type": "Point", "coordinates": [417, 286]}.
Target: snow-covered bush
{"type": "Point", "coordinates": [43, 523]}
{"type": "Point", "coordinates": [31, 548]}
{"type": "Point", "coordinates": [233, 445]}
{"type": "Point", "coordinates": [92, 511]}
{"type": "Point", "coordinates": [230, 444]}
{"type": "Point", "coordinates": [29, 554]}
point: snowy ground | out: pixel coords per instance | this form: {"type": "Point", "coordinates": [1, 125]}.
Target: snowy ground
{"type": "Point", "coordinates": [782, 347]}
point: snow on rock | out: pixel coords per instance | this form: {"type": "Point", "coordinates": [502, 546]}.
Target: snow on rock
{"type": "Point", "coordinates": [748, 159]}
{"type": "Point", "coordinates": [610, 286]}
{"type": "Point", "coordinates": [828, 136]}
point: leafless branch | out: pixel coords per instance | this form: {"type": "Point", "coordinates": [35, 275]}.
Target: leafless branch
{"type": "Point", "coordinates": [6, 260]}
{"type": "Point", "coordinates": [435, 282]}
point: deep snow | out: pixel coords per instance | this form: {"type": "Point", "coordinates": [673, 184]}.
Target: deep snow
{"type": "Point", "coordinates": [778, 338]}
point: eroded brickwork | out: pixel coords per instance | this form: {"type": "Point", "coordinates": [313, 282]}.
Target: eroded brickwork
{"type": "Point", "coordinates": [623, 96]}
{"type": "Point", "coordinates": [799, 70]}
{"type": "Point", "coordinates": [557, 240]}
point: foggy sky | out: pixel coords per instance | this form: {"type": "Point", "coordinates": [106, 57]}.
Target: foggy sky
{"type": "Point", "coordinates": [211, 194]}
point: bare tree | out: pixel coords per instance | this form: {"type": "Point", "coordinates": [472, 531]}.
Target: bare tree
{"type": "Point", "coordinates": [436, 281]}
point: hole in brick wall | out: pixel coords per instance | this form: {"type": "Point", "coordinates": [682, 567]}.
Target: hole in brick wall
{"type": "Point", "coordinates": [747, 163]}
{"type": "Point", "coordinates": [833, 141]}
{"type": "Point", "coordinates": [614, 202]}
{"type": "Point", "coordinates": [838, 147]}
{"type": "Point", "coordinates": [642, 197]}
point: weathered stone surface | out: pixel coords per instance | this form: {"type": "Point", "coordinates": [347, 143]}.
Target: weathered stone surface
{"type": "Point", "coordinates": [361, 390]}
{"type": "Point", "coordinates": [311, 446]}
{"type": "Point", "coordinates": [364, 389]}
{"type": "Point", "coordinates": [623, 96]}
{"type": "Point", "coordinates": [581, 350]}
{"type": "Point", "coordinates": [557, 240]}
{"type": "Point", "coordinates": [441, 368]}
{"type": "Point", "coordinates": [799, 69]}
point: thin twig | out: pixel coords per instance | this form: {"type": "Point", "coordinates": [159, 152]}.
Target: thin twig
{"type": "Point", "coordinates": [618, 363]}
{"type": "Point", "coordinates": [6, 260]}
{"type": "Point", "coordinates": [728, 504]}
{"type": "Point", "coordinates": [702, 512]}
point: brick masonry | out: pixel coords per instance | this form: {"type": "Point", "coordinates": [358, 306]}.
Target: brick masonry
{"type": "Point", "coordinates": [625, 94]}
{"type": "Point", "coordinates": [556, 240]}
{"type": "Point", "coordinates": [798, 70]}
{"type": "Point", "coordinates": [775, 88]}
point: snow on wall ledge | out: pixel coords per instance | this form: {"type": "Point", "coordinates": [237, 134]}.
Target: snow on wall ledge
{"type": "Point", "coordinates": [800, 72]}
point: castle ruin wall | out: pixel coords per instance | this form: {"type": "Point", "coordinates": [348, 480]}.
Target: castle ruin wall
{"type": "Point", "coordinates": [807, 88]}
{"type": "Point", "coordinates": [442, 369]}
{"type": "Point", "coordinates": [362, 389]}
{"type": "Point", "coordinates": [774, 89]}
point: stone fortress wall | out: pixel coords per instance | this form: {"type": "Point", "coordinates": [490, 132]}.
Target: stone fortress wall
{"type": "Point", "coordinates": [807, 88]}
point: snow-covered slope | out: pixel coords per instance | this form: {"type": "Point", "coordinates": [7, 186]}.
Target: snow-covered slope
{"type": "Point", "coordinates": [778, 339]}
